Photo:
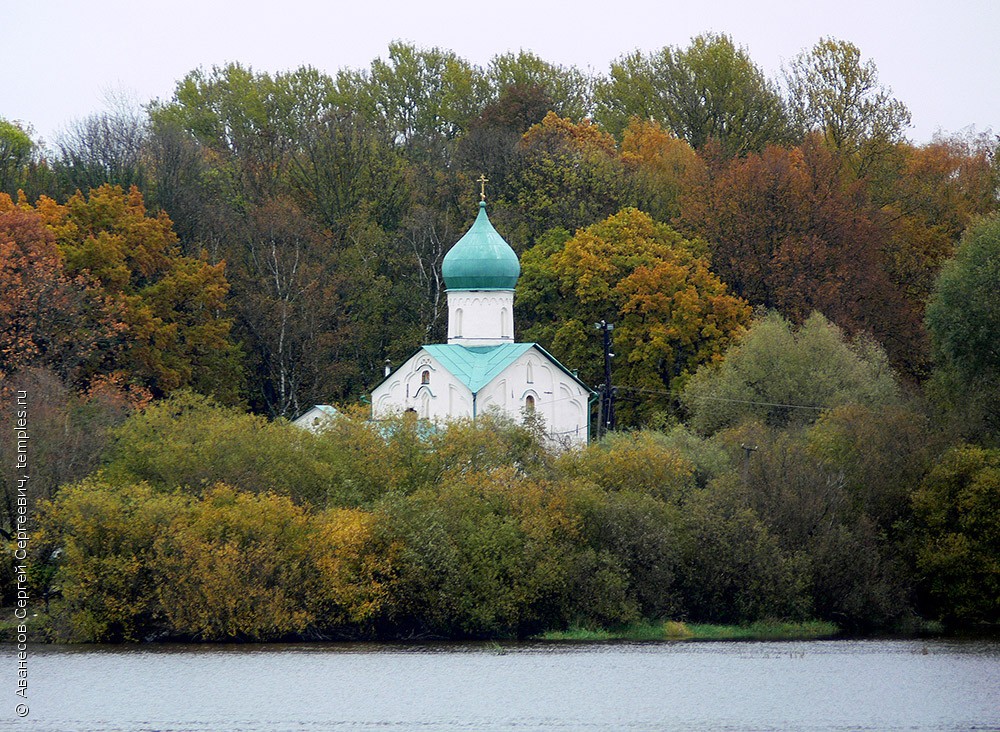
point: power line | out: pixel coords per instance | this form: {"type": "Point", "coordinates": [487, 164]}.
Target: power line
{"type": "Point", "coordinates": [723, 399]}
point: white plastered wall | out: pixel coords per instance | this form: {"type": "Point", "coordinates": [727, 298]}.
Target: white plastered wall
{"type": "Point", "coordinates": [559, 399]}
{"type": "Point", "coordinates": [480, 317]}
{"type": "Point", "coordinates": [424, 385]}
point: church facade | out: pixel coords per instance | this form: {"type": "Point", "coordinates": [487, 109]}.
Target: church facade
{"type": "Point", "coordinates": [482, 369]}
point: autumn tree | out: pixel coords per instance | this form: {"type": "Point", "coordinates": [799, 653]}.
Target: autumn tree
{"type": "Point", "coordinates": [150, 314]}
{"type": "Point", "coordinates": [569, 175]}
{"type": "Point", "coordinates": [930, 198]}
{"type": "Point", "coordinates": [788, 233]}
{"type": "Point", "coordinates": [672, 313]}
{"type": "Point", "coordinates": [70, 430]}
{"type": "Point", "coordinates": [711, 90]}
{"type": "Point", "coordinates": [491, 144]}
{"type": "Point", "coordinates": [661, 166]}
{"type": "Point", "coordinates": [52, 316]}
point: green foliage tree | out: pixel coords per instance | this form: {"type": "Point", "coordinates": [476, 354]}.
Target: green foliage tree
{"type": "Point", "coordinates": [641, 461]}
{"type": "Point", "coordinates": [783, 376]}
{"type": "Point", "coordinates": [188, 441]}
{"type": "Point", "coordinates": [347, 171]}
{"type": "Point", "coordinates": [425, 97]}
{"type": "Point", "coordinates": [964, 324]}
{"type": "Point", "coordinates": [248, 121]}
{"type": "Point", "coordinates": [831, 90]}
{"type": "Point", "coordinates": [711, 90]}
{"type": "Point", "coordinates": [16, 148]}
{"type": "Point", "coordinates": [107, 540]}
{"type": "Point", "coordinates": [733, 569]}
{"type": "Point", "coordinates": [569, 89]}
{"type": "Point", "coordinates": [107, 147]}
{"type": "Point", "coordinates": [853, 575]}
{"type": "Point", "coordinates": [959, 537]}
{"type": "Point", "coordinates": [484, 554]}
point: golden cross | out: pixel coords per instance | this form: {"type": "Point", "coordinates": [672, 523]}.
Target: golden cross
{"type": "Point", "coordinates": [482, 181]}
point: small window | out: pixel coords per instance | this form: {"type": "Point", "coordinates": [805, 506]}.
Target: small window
{"type": "Point", "coordinates": [530, 373]}
{"type": "Point", "coordinates": [425, 377]}
{"type": "Point", "coordinates": [529, 403]}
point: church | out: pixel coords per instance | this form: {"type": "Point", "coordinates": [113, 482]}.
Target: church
{"type": "Point", "coordinates": [482, 369]}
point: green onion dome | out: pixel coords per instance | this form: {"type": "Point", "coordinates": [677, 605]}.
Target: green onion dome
{"type": "Point", "coordinates": [481, 260]}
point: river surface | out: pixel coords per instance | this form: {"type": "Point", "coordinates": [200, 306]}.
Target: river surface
{"type": "Point", "coordinates": [728, 686]}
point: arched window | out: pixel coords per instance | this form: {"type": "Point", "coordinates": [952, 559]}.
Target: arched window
{"type": "Point", "coordinates": [529, 375]}
{"type": "Point", "coordinates": [529, 403]}
{"type": "Point", "coordinates": [503, 323]}
{"type": "Point", "coordinates": [458, 323]}
{"type": "Point", "coordinates": [425, 377]}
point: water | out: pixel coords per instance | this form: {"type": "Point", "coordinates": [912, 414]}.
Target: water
{"type": "Point", "coordinates": [818, 685]}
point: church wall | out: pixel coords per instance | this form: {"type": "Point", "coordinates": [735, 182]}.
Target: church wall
{"type": "Point", "coordinates": [425, 386]}
{"type": "Point", "coordinates": [558, 399]}
{"type": "Point", "coordinates": [531, 381]}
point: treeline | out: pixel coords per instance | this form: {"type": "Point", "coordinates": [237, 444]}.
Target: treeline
{"type": "Point", "coordinates": [208, 523]}
{"type": "Point", "coordinates": [806, 360]}
{"type": "Point", "coordinates": [332, 199]}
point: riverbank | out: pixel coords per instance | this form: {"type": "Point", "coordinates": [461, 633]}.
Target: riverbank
{"type": "Point", "coordinates": [40, 629]}
{"type": "Point", "coordinates": [673, 630]}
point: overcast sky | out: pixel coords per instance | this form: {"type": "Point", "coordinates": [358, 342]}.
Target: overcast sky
{"type": "Point", "coordinates": [61, 58]}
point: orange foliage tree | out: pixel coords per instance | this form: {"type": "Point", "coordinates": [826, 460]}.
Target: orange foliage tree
{"type": "Point", "coordinates": [49, 316]}
{"type": "Point", "coordinates": [789, 232]}
{"type": "Point", "coordinates": [672, 312]}
{"type": "Point", "coordinates": [117, 292]}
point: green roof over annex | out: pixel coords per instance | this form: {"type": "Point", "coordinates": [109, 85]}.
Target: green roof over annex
{"type": "Point", "coordinates": [477, 366]}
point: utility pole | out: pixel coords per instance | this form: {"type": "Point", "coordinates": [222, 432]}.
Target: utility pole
{"type": "Point", "coordinates": [606, 410]}
{"type": "Point", "coordinates": [748, 450]}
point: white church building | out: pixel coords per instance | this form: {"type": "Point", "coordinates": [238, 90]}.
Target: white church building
{"type": "Point", "coordinates": [481, 369]}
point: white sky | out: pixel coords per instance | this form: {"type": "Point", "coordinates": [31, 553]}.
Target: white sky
{"type": "Point", "coordinates": [60, 58]}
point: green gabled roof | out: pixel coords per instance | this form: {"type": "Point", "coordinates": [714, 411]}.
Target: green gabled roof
{"type": "Point", "coordinates": [481, 260]}
{"type": "Point", "coordinates": [477, 366]}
